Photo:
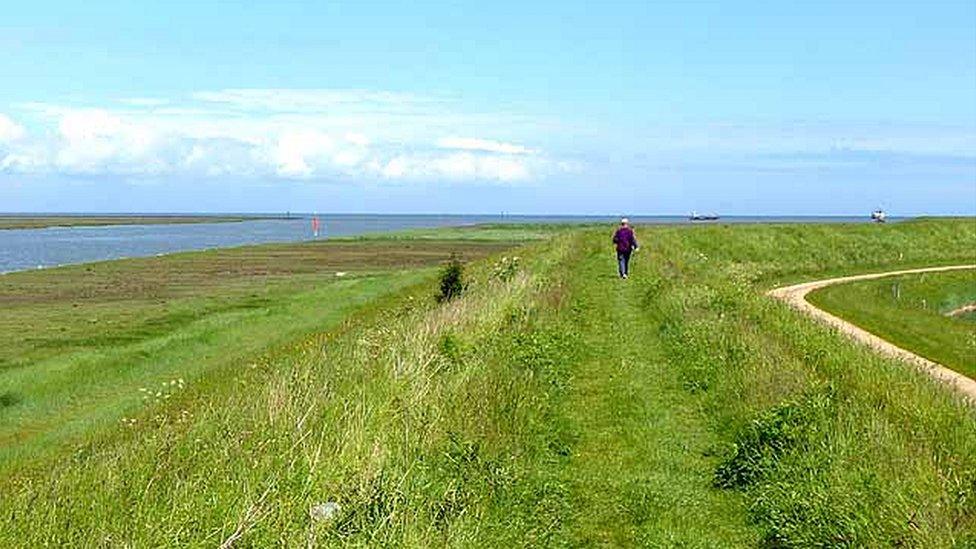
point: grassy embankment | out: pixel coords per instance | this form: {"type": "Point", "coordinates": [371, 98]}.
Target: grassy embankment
{"type": "Point", "coordinates": [83, 345]}
{"type": "Point", "coordinates": [911, 312]}
{"type": "Point", "coordinates": [43, 221]}
{"type": "Point", "coordinates": [553, 405]}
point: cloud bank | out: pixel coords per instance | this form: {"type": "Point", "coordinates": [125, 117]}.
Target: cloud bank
{"type": "Point", "coordinates": [484, 145]}
{"type": "Point", "coordinates": [354, 135]}
{"type": "Point", "coordinates": [286, 134]}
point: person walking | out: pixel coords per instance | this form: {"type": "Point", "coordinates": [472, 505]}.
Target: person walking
{"type": "Point", "coordinates": [626, 244]}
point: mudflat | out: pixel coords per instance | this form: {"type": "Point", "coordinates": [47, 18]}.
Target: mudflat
{"type": "Point", "coordinates": [44, 221]}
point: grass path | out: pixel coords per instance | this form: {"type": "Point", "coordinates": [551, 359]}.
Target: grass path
{"type": "Point", "coordinates": [796, 295]}
{"type": "Point", "coordinates": [638, 468]}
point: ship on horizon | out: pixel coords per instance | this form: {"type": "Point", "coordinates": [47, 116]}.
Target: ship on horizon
{"type": "Point", "coordinates": [695, 216]}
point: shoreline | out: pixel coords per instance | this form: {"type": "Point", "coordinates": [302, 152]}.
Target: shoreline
{"type": "Point", "coordinates": [365, 226]}
{"type": "Point", "coordinates": [38, 221]}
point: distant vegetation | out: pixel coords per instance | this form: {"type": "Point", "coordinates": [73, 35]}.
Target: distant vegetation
{"type": "Point", "coordinates": [912, 312]}
{"type": "Point", "coordinates": [551, 404]}
{"type": "Point", "coordinates": [43, 221]}
{"type": "Point", "coordinates": [513, 232]}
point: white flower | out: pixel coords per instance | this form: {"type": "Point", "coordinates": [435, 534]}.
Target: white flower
{"type": "Point", "coordinates": [324, 511]}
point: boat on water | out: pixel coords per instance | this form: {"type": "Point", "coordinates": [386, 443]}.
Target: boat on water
{"type": "Point", "coordinates": [879, 216]}
{"type": "Point", "coordinates": [695, 216]}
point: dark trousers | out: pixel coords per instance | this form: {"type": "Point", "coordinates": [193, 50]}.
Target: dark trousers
{"type": "Point", "coordinates": [623, 262]}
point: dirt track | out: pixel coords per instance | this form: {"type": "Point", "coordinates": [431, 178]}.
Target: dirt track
{"type": "Point", "coordinates": [796, 294]}
{"type": "Point", "coordinates": [962, 310]}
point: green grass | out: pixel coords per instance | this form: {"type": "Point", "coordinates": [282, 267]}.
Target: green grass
{"type": "Point", "coordinates": [829, 444]}
{"type": "Point", "coordinates": [911, 312]}
{"type": "Point", "coordinates": [512, 232]}
{"type": "Point", "coordinates": [84, 345]}
{"type": "Point", "coordinates": [43, 221]}
{"type": "Point", "coordinates": [550, 405]}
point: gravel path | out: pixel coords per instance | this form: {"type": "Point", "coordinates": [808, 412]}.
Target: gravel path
{"type": "Point", "coordinates": [796, 294]}
{"type": "Point", "coordinates": [962, 310]}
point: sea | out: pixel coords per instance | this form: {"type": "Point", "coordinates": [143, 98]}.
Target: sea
{"type": "Point", "coordinates": [25, 249]}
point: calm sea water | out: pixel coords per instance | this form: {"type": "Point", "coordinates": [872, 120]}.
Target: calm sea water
{"type": "Point", "coordinates": [50, 247]}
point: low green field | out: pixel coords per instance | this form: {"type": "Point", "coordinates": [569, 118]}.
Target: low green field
{"type": "Point", "coordinates": [81, 346]}
{"type": "Point", "coordinates": [551, 405]}
{"type": "Point", "coordinates": [42, 221]}
{"type": "Point", "coordinates": [911, 311]}
{"type": "Point", "coordinates": [481, 232]}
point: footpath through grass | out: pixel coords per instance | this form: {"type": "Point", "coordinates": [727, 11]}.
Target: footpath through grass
{"type": "Point", "coordinates": [551, 405]}
{"type": "Point", "coordinates": [912, 312]}
{"type": "Point", "coordinates": [639, 470]}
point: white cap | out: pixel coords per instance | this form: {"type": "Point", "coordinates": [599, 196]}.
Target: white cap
{"type": "Point", "coordinates": [624, 221]}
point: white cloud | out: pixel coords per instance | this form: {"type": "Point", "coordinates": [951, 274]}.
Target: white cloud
{"type": "Point", "coordinates": [16, 154]}
{"type": "Point", "coordinates": [292, 134]}
{"type": "Point", "coordinates": [297, 100]}
{"type": "Point", "coordinates": [395, 168]}
{"type": "Point", "coordinates": [486, 145]}
{"type": "Point", "coordinates": [296, 153]}
{"type": "Point", "coordinates": [463, 166]}
{"type": "Point", "coordinates": [96, 140]}
{"type": "Point", "coordinates": [9, 130]}
{"type": "Point", "coordinates": [357, 139]}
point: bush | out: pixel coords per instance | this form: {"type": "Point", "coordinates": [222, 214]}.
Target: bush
{"type": "Point", "coordinates": [452, 280]}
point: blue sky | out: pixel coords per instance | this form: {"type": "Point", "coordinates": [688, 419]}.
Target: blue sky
{"type": "Point", "coordinates": [562, 107]}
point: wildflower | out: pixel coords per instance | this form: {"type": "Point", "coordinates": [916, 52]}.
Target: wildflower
{"type": "Point", "coordinates": [324, 511]}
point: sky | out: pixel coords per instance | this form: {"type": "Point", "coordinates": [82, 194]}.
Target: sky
{"type": "Point", "coordinates": [738, 108]}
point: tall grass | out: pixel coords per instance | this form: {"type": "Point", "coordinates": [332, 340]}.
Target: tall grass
{"type": "Point", "coordinates": [411, 436]}
{"type": "Point", "coordinates": [831, 444]}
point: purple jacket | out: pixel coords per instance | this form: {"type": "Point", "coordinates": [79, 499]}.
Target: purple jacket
{"type": "Point", "coordinates": [624, 239]}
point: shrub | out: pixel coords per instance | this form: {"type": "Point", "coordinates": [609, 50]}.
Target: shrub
{"type": "Point", "coordinates": [452, 280]}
